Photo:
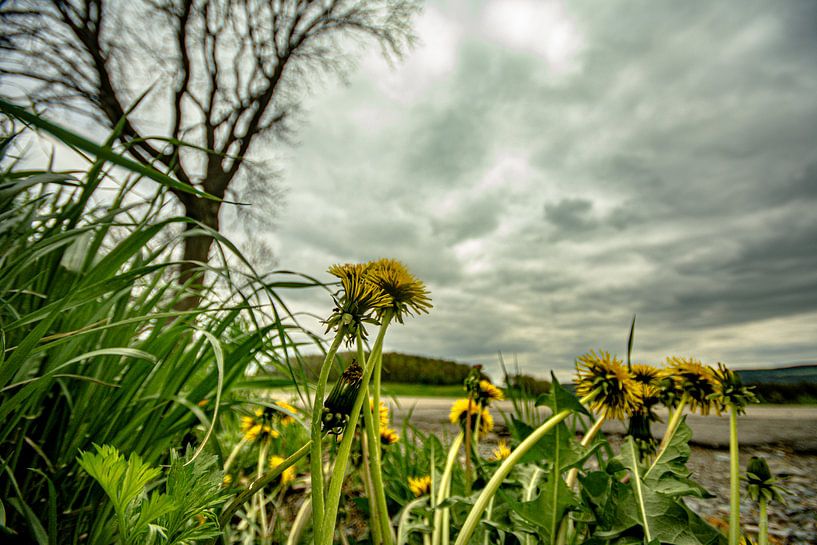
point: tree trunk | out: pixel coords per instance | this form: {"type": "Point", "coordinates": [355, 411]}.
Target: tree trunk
{"type": "Point", "coordinates": [197, 249]}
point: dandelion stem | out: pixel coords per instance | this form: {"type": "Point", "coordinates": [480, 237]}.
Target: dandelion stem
{"type": "Point", "coordinates": [468, 442]}
{"type": "Point", "coordinates": [573, 474]}
{"type": "Point", "coordinates": [316, 455]}
{"type": "Point", "coordinates": [441, 515]}
{"type": "Point", "coordinates": [734, 476]}
{"type": "Point", "coordinates": [763, 524]}
{"type": "Point", "coordinates": [381, 529]}
{"type": "Point", "coordinates": [499, 475]}
{"type": "Point", "coordinates": [672, 425]}
{"type": "Point", "coordinates": [260, 483]}
{"type": "Point", "coordinates": [345, 449]}
{"type": "Point", "coordinates": [365, 454]}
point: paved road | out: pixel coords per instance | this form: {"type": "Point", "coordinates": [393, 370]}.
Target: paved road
{"type": "Point", "coordinates": [793, 427]}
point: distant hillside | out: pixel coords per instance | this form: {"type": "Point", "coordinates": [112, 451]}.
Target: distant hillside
{"type": "Point", "coordinates": [406, 368]}
{"type": "Point", "coordinates": [783, 375]}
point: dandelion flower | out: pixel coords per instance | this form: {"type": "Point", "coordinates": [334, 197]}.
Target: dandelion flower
{"type": "Point", "coordinates": [617, 392]}
{"type": "Point", "coordinates": [258, 426]}
{"type": "Point", "coordinates": [731, 390]}
{"type": "Point", "coordinates": [227, 480]}
{"type": "Point", "coordinates": [382, 413]}
{"type": "Point", "coordinates": [644, 373]}
{"type": "Point", "coordinates": [500, 452]}
{"type": "Point", "coordinates": [288, 475]}
{"type": "Point", "coordinates": [696, 380]}
{"type": "Point", "coordinates": [460, 410]}
{"type": "Point", "coordinates": [388, 436]}
{"type": "Point", "coordinates": [487, 392]}
{"type": "Point", "coordinates": [340, 401]}
{"type": "Point", "coordinates": [406, 294]}
{"type": "Point", "coordinates": [356, 301]}
{"type": "Point", "coordinates": [420, 486]}
{"type": "Point", "coordinates": [287, 419]}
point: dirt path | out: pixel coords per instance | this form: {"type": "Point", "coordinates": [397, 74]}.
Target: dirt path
{"type": "Point", "coordinates": [794, 428]}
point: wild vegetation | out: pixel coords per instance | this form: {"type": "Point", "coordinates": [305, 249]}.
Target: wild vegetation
{"type": "Point", "coordinates": [129, 420]}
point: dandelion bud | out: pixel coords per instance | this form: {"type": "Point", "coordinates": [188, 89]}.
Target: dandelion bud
{"type": "Point", "coordinates": [340, 401]}
{"type": "Point", "coordinates": [760, 484]}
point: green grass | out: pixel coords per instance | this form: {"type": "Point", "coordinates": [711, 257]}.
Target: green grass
{"type": "Point", "coordinates": [422, 390]}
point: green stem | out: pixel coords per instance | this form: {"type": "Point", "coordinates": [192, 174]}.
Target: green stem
{"type": "Point", "coordinates": [499, 476]}
{"type": "Point", "coordinates": [734, 476]}
{"type": "Point", "coordinates": [365, 454]}
{"type": "Point", "coordinates": [672, 426]}
{"type": "Point", "coordinates": [468, 443]}
{"type": "Point", "coordinates": [441, 515]}
{"type": "Point", "coordinates": [763, 524]}
{"type": "Point", "coordinates": [301, 520]}
{"type": "Point", "coordinates": [372, 424]}
{"type": "Point", "coordinates": [316, 454]}
{"type": "Point", "coordinates": [260, 483]}
{"type": "Point", "coordinates": [345, 449]}
{"type": "Point", "coordinates": [262, 500]}
{"type": "Point", "coordinates": [573, 474]}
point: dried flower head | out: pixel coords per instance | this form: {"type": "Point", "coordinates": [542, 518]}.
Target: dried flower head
{"type": "Point", "coordinates": [500, 452]}
{"type": "Point", "coordinates": [405, 293]}
{"type": "Point", "coordinates": [696, 380]}
{"type": "Point", "coordinates": [356, 301]}
{"type": "Point", "coordinates": [731, 391]}
{"type": "Point", "coordinates": [459, 415]}
{"type": "Point", "coordinates": [288, 475]}
{"type": "Point", "coordinates": [487, 392]}
{"type": "Point", "coordinates": [339, 403]}
{"type": "Point", "coordinates": [760, 483]}
{"type": "Point", "coordinates": [419, 486]}
{"type": "Point", "coordinates": [617, 392]}
{"type": "Point", "coordinates": [259, 425]}
{"type": "Point", "coordinates": [388, 436]}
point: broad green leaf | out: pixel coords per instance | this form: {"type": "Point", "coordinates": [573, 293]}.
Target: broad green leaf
{"type": "Point", "coordinates": [559, 399]}
{"type": "Point", "coordinates": [668, 473]}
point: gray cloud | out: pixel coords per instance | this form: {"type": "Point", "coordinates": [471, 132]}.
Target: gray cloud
{"type": "Point", "coordinates": [664, 166]}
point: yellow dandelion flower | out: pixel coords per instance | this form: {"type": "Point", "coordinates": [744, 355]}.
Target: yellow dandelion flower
{"type": "Point", "coordinates": [460, 410]}
{"type": "Point", "coordinates": [388, 436]}
{"type": "Point", "coordinates": [419, 485]}
{"type": "Point", "coordinates": [696, 380]}
{"type": "Point", "coordinates": [644, 373]}
{"type": "Point", "coordinates": [357, 299]}
{"type": "Point", "coordinates": [258, 426]}
{"type": "Point", "coordinates": [487, 392]}
{"type": "Point", "coordinates": [288, 475]}
{"type": "Point", "coordinates": [227, 480]}
{"type": "Point", "coordinates": [286, 419]}
{"type": "Point", "coordinates": [617, 393]}
{"type": "Point", "coordinates": [500, 452]}
{"type": "Point", "coordinates": [406, 293]}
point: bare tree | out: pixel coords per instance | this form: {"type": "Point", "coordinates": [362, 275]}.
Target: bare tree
{"type": "Point", "coordinates": [226, 73]}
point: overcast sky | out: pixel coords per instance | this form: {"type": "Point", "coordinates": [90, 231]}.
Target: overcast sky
{"type": "Point", "coordinates": [551, 168]}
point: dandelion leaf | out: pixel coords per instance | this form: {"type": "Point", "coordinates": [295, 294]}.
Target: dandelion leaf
{"type": "Point", "coordinates": [660, 516]}
{"type": "Point", "coordinates": [559, 399]}
{"type": "Point", "coordinates": [669, 474]}
{"type": "Point", "coordinates": [546, 511]}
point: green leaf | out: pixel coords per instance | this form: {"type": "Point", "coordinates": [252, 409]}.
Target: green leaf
{"type": "Point", "coordinates": [559, 399]}
{"type": "Point", "coordinates": [547, 510]}
{"type": "Point", "coordinates": [668, 473]}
